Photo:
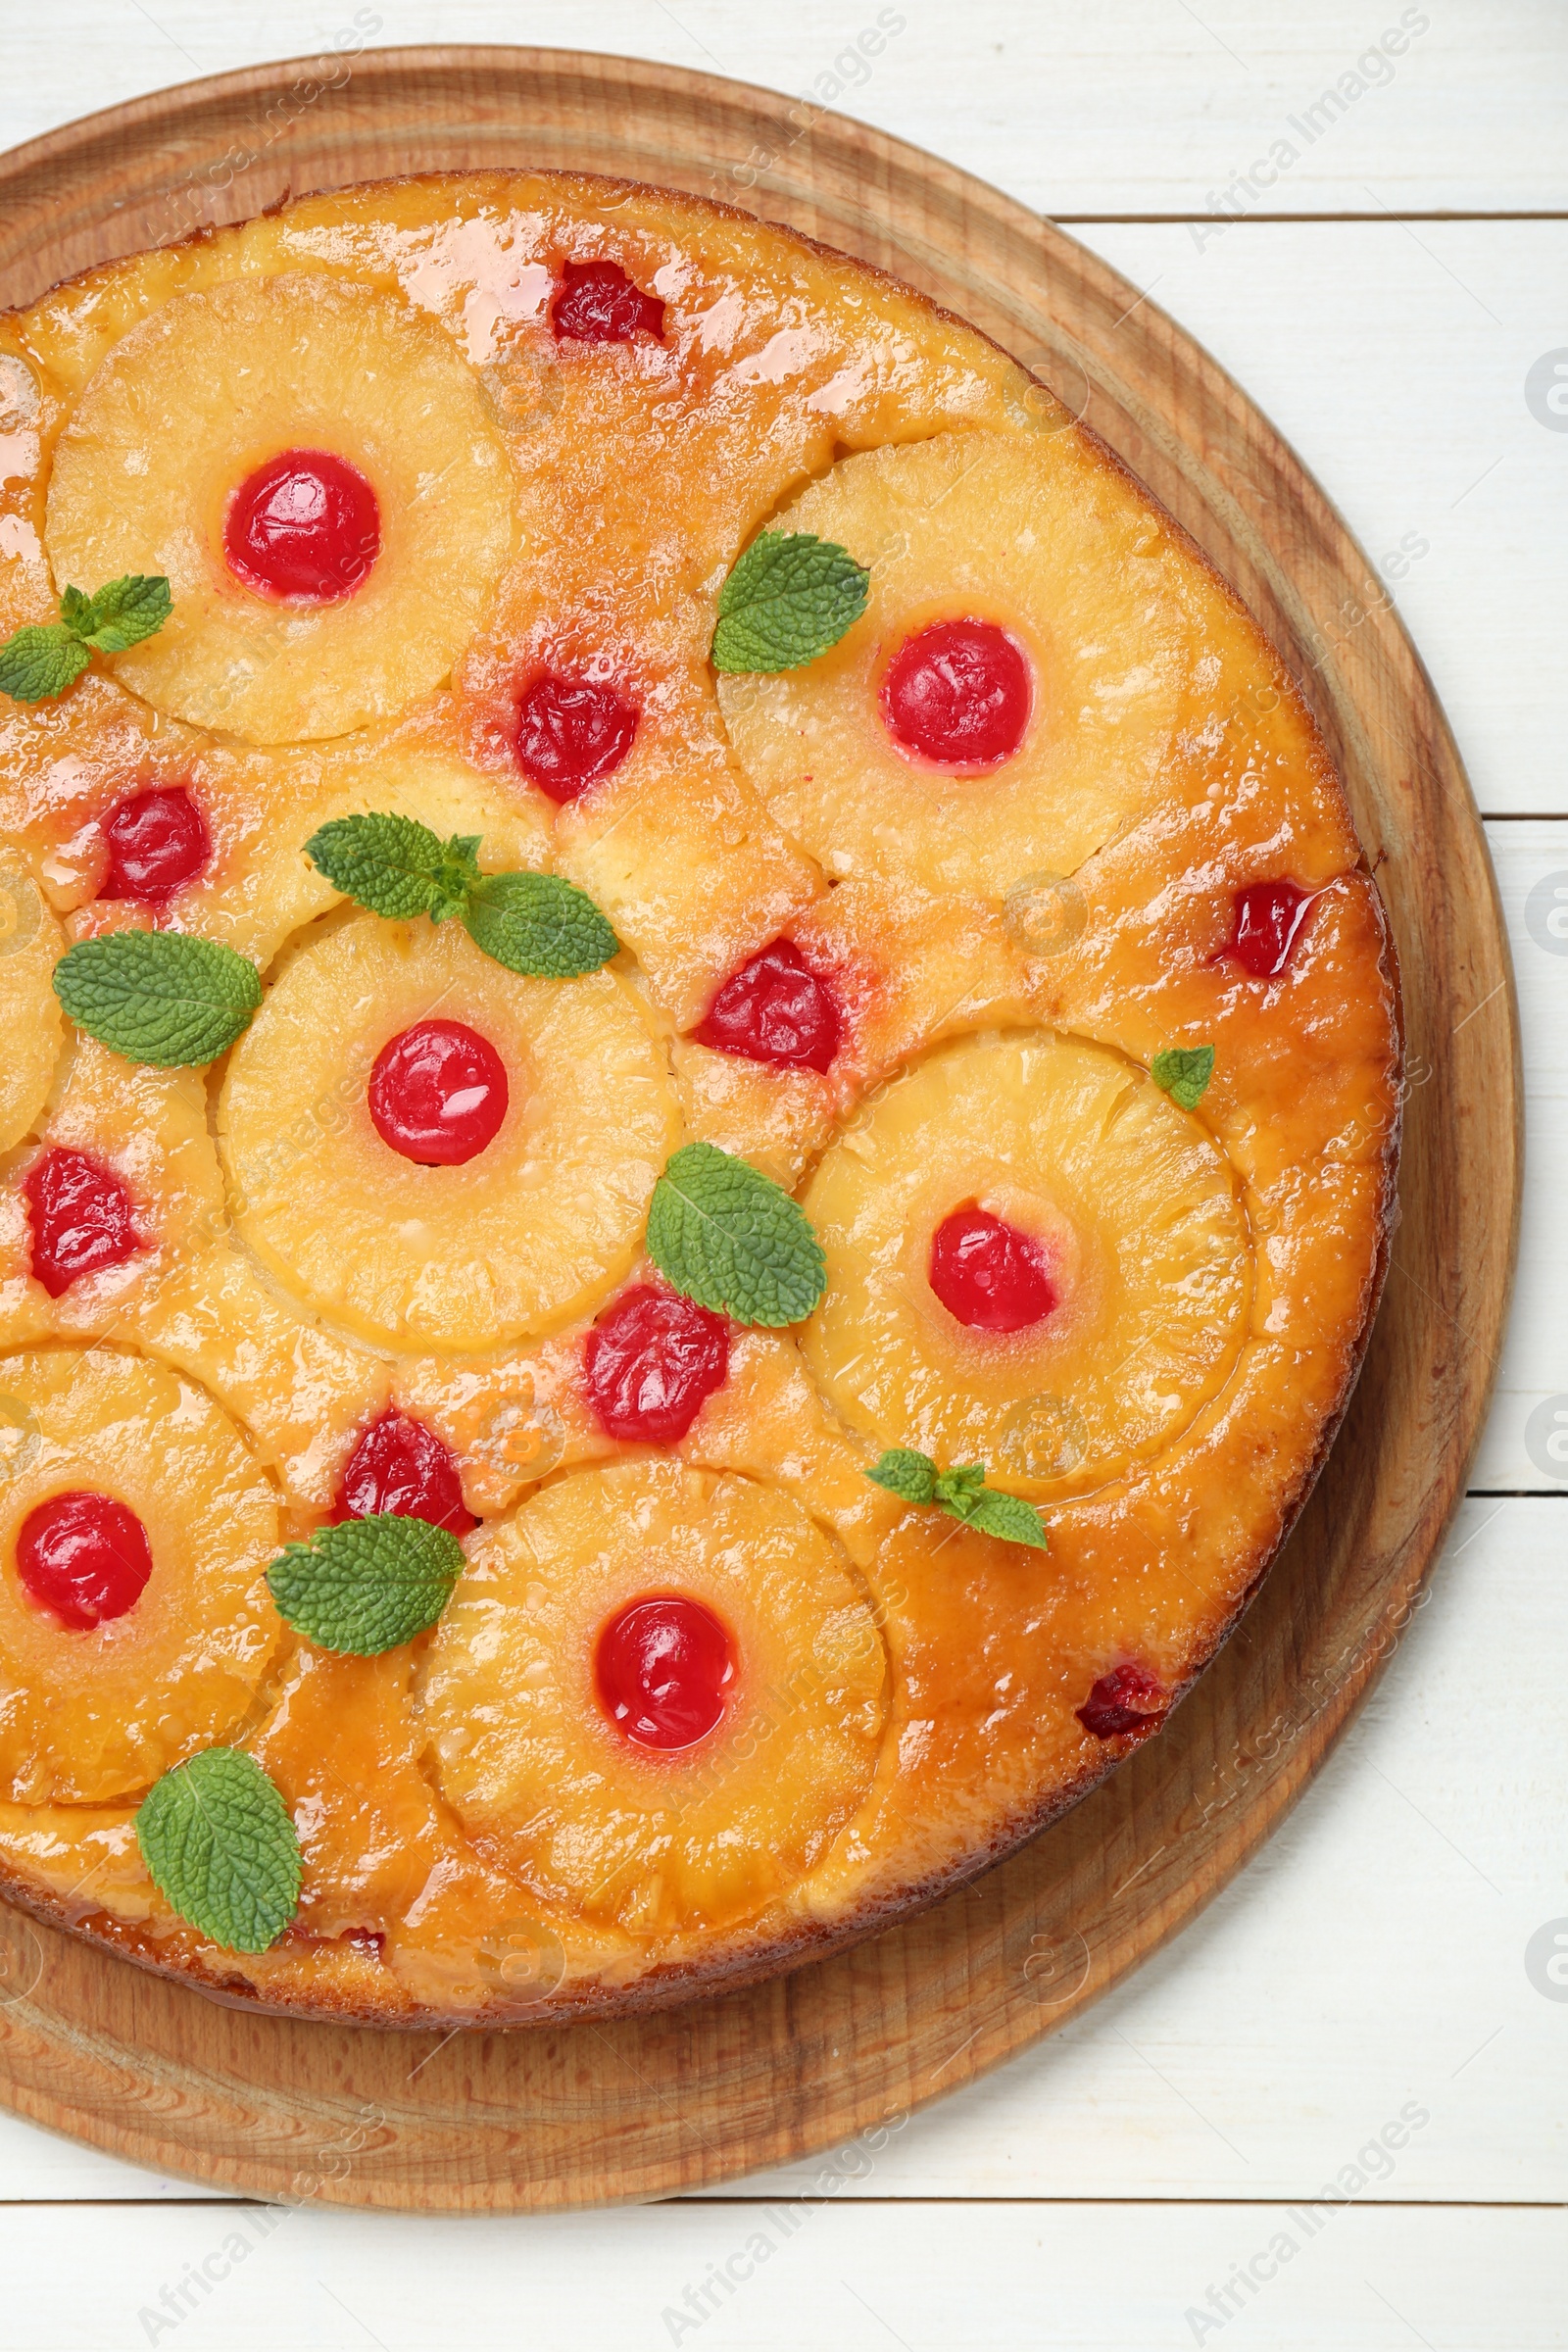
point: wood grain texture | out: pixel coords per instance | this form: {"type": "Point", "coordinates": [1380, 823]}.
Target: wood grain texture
{"type": "Point", "coordinates": [565, 2116]}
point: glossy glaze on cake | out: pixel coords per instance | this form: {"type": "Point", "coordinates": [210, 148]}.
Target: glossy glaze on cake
{"type": "Point", "coordinates": [447, 475]}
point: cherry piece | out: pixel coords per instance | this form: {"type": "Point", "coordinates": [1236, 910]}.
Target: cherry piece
{"type": "Point", "coordinates": [959, 694]}
{"type": "Point", "coordinates": [83, 1557]}
{"type": "Point", "coordinates": [570, 732]}
{"type": "Point", "coordinates": [400, 1465]}
{"type": "Point", "coordinates": [988, 1273]}
{"type": "Point", "coordinates": [438, 1093]}
{"type": "Point", "coordinates": [651, 1363]}
{"type": "Point", "coordinates": [1268, 916]}
{"type": "Point", "coordinates": [304, 528]}
{"type": "Point", "coordinates": [157, 843]}
{"type": "Point", "coordinates": [81, 1218]}
{"type": "Point", "coordinates": [598, 303]}
{"type": "Point", "coordinates": [776, 1009]}
{"type": "Point", "coordinates": [663, 1668]}
{"type": "Point", "coordinates": [1128, 1699]}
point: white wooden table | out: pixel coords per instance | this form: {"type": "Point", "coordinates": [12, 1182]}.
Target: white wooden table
{"type": "Point", "coordinates": [1143, 2180]}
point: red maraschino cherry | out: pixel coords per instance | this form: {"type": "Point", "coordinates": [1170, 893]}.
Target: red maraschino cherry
{"type": "Point", "coordinates": [651, 1362]}
{"type": "Point", "coordinates": [81, 1218]}
{"type": "Point", "coordinates": [84, 1557]}
{"type": "Point", "coordinates": [1127, 1699]}
{"type": "Point", "coordinates": [158, 844]}
{"type": "Point", "coordinates": [959, 694]}
{"type": "Point", "coordinates": [438, 1093]}
{"type": "Point", "coordinates": [304, 528]}
{"type": "Point", "coordinates": [571, 732]}
{"type": "Point", "coordinates": [401, 1465]}
{"type": "Point", "coordinates": [663, 1667]}
{"type": "Point", "coordinates": [1268, 918]}
{"type": "Point", "coordinates": [776, 1009]}
{"type": "Point", "coordinates": [598, 303]}
{"type": "Point", "coordinates": [988, 1273]}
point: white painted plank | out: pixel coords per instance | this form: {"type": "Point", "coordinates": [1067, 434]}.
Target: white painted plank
{"type": "Point", "coordinates": [1373, 1955]}
{"type": "Point", "coordinates": [1526, 1440]}
{"type": "Point", "coordinates": [1147, 107]}
{"type": "Point", "coordinates": [1394, 360]}
{"type": "Point", "coordinates": [1123, 2279]}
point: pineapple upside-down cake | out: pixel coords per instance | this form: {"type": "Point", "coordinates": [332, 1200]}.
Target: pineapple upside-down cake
{"type": "Point", "coordinates": [700, 1104]}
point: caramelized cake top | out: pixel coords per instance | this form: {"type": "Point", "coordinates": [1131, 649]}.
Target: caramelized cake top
{"type": "Point", "coordinates": [631, 1369]}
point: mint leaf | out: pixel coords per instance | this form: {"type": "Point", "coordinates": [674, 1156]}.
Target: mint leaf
{"type": "Point", "coordinates": [158, 996]}
{"type": "Point", "coordinates": [733, 1239]}
{"type": "Point", "coordinates": [962, 1494]}
{"type": "Point", "coordinates": [1184, 1071]}
{"type": "Point", "coordinates": [539, 925]}
{"type": "Point", "coordinates": [532, 923]}
{"type": "Point", "coordinates": [40, 662]}
{"type": "Point", "coordinates": [220, 1846]}
{"type": "Point", "coordinates": [911, 1476]}
{"type": "Point", "coordinates": [119, 615]}
{"type": "Point", "coordinates": [1005, 1515]}
{"type": "Point", "coordinates": [367, 1585]}
{"type": "Point", "coordinates": [395, 866]}
{"type": "Point", "coordinates": [789, 598]}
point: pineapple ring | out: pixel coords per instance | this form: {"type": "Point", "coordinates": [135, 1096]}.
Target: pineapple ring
{"type": "Point", "coordinates": [535, 1232]}
{"type": "Point", "coordinates": [674, 1840]}
{"type": "Point", "coordinates": [189, 404]}
{"type": "Point", "coordinates": [30, 1021]}
{"type": "Point", "coordinates": [1040, 536]}
{"type": "Point", "coordinates": [86, 1717]}
{"type": "Point", "coordinates": [1147, 1240]}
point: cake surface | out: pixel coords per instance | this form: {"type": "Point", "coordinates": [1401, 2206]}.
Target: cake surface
{"type": "Point", "coordinates": [979, 920]}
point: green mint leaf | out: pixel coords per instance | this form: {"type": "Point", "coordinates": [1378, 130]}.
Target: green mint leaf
{"type": "Point", "coordinates": [158, 996]}
{"type": "Point", "coordinates": [1184, 1071]}
{"type": "Point", "coordinates": [367, 1585]}
{"type": "Point", "coordinates": [40, 662]}
{"type": "Point", "coordinates": [539, 925]}
{"type": "Point", "coordinates": [910, 1475]}
{"type": "Point", "coordinates": [955, 1489]}
{"type": "Point", "coordinates": [119, 615]}
{"type": "Point", "coordinates": [734, 1240]}
{"type": "Point", "coordinates": [789, 598]}
{"type": "Point", "coordinates": [1008, 1517]}
{"type": "Point", "coordinates": [219, 1845]}
{"type": "Point", "coordinates": [395, 866]}
{"type": "Point", "coordinates": [962, 1494]}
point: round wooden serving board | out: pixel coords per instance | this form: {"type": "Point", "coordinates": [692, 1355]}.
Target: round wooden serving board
{"type": "Point", "coordinates": [579, 2115]}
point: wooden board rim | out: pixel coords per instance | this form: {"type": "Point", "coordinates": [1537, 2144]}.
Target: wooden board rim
{"type": "Point", "coordinates": [564, 2116]}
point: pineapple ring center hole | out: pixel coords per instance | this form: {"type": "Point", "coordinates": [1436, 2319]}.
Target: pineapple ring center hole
{"type": "Point", "coordinates": [959, 695]}
{"type": "Point", "coordinates": [83, 1557]}
{"type": "Point", "coordinates": [438, 1093]}
{"type": "Point", "coordinates": [303, 529]}
{"type": "Point", "coordinates": [663, 1668]}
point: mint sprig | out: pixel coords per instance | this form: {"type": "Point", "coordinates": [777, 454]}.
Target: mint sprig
{"type": "Point", "coordinates": [536, 924]}
{"type": "Point", "coordinates": [788, 598]}
{"type": "Point", "coordinates": [962, 1492]}
{"type": "Point", "coordinates": [727, 1235]}
{"type": "Point", "coordinates": [217, 1839]}
{"type": "Point", "coordinates": [367, 1585]}
{"type": "Point", "coordinates": [1184, 1072]}
{"type": "Point", "coordinates": [158, 996]}
{"type": "Point", "coordinates": [39, 662]}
